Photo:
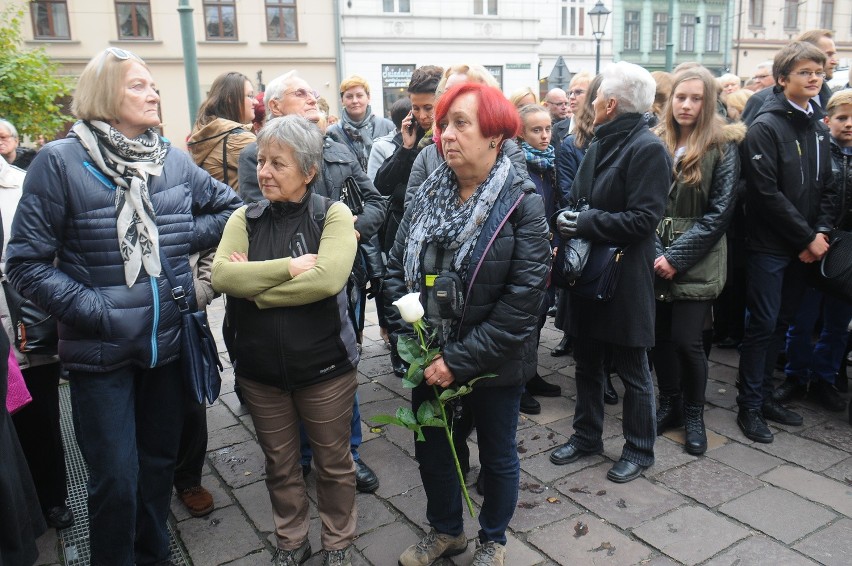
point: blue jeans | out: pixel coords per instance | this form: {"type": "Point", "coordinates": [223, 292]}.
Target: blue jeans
{"type": "Point", "coordinates": [495, 411]}
{"type": "Point", "coordinates": [773, 294]}
{"type": "Point", "coordinates": [354, 442]}
{"type": "Point", "coordinates": [128, 423]}
{"type": "Point", "coordinates": [820, 361]}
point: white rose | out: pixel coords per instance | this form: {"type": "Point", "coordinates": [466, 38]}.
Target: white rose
{"type": "Point", "coordinates": [410, 308]}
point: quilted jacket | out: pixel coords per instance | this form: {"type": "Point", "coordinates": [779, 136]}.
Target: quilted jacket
{"type": "Point", "coordinates": [64, 255]}
{"type": "Point", "coordinates": [504, 290]}
{"type": "Point", "coordinates": [713, 209]}
{"type": "Point", "coordinates": [841, 164]}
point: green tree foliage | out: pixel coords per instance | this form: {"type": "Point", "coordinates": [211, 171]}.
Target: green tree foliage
{"type": "Point", "coordinates": [29, 84]}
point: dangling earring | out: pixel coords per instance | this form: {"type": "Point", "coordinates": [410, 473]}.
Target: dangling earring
{"type": "Point", "coordinates": [493, 144]}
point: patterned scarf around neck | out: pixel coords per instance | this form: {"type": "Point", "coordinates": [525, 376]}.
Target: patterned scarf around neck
{"type": "Point", "coordinates": [129, 162]}
{"type": "Point", "coordinates": [439, 218]}
{"type": "Point", "coordinates": [540, 159]}
{"type": "Point", "coordinates": [359, 135]}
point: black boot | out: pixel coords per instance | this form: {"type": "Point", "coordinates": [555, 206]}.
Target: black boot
{"type": "Point", "coordinates": [670, 413]}
{"type": "Point", "coordinates": [693, 423]}
{"type": "Point", "coordinates": [400, 368]}
{"type": "Point", "coordinates": [610, 394]}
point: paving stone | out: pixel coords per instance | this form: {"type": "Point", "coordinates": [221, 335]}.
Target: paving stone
{"type": "Point", "coordinates": [240, 464]}
{"type": "Point", "coordinates": [838, 435]}
{"type": "Point", "coordinates": [517, 553]}
{"type": "Point", "coordinates": [219, 416]}
{"type": "Point", "coordinates": [709, 482]}
{"type": "Point", "coordinates": [227, 436]}
{"type": "Point", "coordinates": [259, 558]}
{"type": "Point", "coordinates": [834, 494]}
{"type": "Point", "coordinates": [222, 536]}
{"type": "Point", "coordinates": [759, 550]}
{"type": "Point", "coordinates": [254, 500]}
{"type": "Point", "coordinates": [589, 541]}
{"type": "Point", "coordinates": [721, 394]}
{"type": "Point", "coordinates": [385, 544]}
{"type": "Point", "coordinates": [372, 513]}
{"type": "Point", "coordinates": [565, 427]}
{"type": "Point", "coordinates": [625, 505]}
{"type": "Point", "coordinates": [406, 473]}
{"type": "Point", "coordinates": [553, 408]}
{"type": "Point", "coordinates": [372, 367]}
{"type": "Point", "coordinates": [722, 373]}
{"type": "Point", "coordinates": [690, 534]}
{"type": "Point", "coordinates": [745, 459]}
{"type": "Point", "coordinates": [540, 466]}
{"type": "Point", "coordinates": [373, 391]}
{"type": "Point", "coordinates": [659, 560]}
{"type": "Point", "coordinates": [725, 356]}
{"type": "Point", "coordinates": [841, 471]}
{"type": "Point", "coordinates": [812, 415]}
{"type": "Point", "coordinates": [233, 403]}
{"type": "Point", "coordinates": [771, 510]}
{"type": "Point", "coordinates": [537, 439]}
{"type": "Point", "coordinates": [831, 545]}
{"type": "Point", "coordinates": [806, 453]}
{"type": "Point", "coordinates": [539, 505]}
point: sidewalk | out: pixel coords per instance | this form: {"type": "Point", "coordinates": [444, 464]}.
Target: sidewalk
{"type": "Point", "coordinates": [785, 503]}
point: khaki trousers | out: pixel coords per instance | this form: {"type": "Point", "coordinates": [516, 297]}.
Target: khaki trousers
{"type": "Point", "coordinates": [325, 410]}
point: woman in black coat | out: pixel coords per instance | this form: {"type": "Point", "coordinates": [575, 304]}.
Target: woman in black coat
{"type": "Point", "coordinates": [624, 178]}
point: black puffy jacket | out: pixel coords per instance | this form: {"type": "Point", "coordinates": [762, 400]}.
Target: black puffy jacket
{"type": "Point", "coordinates": [64, 255]}
{"type": "Point", "coordinates": [841, 164]}
{"type": "Point", "coordinates": [790, 192]}
{"type": "Point", "coordinates": [505, 288]}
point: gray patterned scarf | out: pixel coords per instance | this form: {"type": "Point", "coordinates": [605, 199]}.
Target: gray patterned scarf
{"type": "Point", "coordinates": [438, 217]}
{"type": "Point", "coordinates": [128, 162]}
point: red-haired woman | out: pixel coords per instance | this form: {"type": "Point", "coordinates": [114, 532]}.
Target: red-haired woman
{"type": "Point", "coordinates": [476, 218]}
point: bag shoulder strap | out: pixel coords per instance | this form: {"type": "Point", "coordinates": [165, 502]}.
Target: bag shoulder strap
{"type": "Point", "coordinates": [178, 292]}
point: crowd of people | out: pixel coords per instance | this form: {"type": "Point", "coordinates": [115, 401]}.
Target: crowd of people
{"type": "Point", "coordinates": [706, 203]}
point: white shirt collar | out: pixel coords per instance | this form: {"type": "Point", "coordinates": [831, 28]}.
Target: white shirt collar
{"type": "Point", "coordinates": [809, 110]}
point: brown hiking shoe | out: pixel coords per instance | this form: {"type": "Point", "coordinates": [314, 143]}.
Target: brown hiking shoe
{"type": "Point", "coordinates": [197, 500]}
{"type": "Point", "coordinates": [433, 546]}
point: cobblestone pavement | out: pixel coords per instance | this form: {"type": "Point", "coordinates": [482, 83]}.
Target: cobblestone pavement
{"type": "Point", "coordinates": [785, 503]}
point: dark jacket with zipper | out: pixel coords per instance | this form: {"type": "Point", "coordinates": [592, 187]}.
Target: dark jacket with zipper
{"type": "Point", "coordinates": [504, 286]}
{"type": "Point", "coordinates": [841, 165]}
{"type": "Point", "coordinates": [296, 346]}
{"type": "Point", "coordinates": [64, 255]}
{"type": "Point", "coordinates": [712, 206]}
{"type": "Point", "coordinates": [790, 192]}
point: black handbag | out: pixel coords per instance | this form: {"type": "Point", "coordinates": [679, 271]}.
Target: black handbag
{"type": "Point", "coordinates": [198, 356]}
{"type": "Point", "coordinates": [351, 196]}
{"type": "Point", "coordinates": [35, 330]}
{"type": "Point", "coordinates": [601, 273]}
{"type": "Point", "coordinates": [571, 256]}
{"type": "Point", "coordinates": [835, 268]}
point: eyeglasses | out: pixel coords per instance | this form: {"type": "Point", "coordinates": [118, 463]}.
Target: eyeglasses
{"type": "Point", "coordinates": [302, 93]}
{"type": "Point", "coordinates": [809, 74]}
{"type": "Point", "coordinates": [576, 93]}
{"type": "Point", "coordinates": [557, 103]}
{"type": "Point", "coordinates": [118, 53]}
{"type": "Point", "coordinates": [4, 138]}
{"type": "Point", "coordinates": [760, 77]}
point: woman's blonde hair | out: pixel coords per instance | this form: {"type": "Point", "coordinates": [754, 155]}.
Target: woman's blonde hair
{"type": "Point", "coordinates": [99, 93]}
{"type": "Point", "coordinates": [737, 99]}
{"type": "Point", "coordinates": [706, 133]}
{"type": "Point", "coordinates": [516, 97]}
{"type": "Point", "coordinates": [475, 74]}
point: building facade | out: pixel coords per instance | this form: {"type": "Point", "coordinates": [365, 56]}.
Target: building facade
{"type": "Point", "coordinates": [259, 38]}
{"type": "Point", "coordinates": [702, 31]}
{"type": "Point", "coordinates": [519, 41]}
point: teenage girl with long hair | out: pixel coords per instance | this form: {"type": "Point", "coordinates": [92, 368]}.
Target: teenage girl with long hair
{"type": "Point", "coordinates": [691, 248]}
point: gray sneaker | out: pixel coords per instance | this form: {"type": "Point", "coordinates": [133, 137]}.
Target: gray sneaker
{"type": "Point", "coordinates": [489, 554]}
{"type": "Point", "coordinates": [292, 557]}
{"type": "Point", "coordinates": [433, 546]}
{"type": "Point", "coordinates": [338, 557]}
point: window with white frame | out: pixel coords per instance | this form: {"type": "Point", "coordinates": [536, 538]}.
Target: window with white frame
{"type": "Point", "coordinates": [573, 17]}
{"type": "Point", "coordinates": [713, 42]}
{"type": "Point", "coordinates": [755, 13]}
{"type": "Point", "coordinates": [661, 28]}
{"type": "Point", "coordinates": [826, 16]}
{"type": "Point", "coordinates": [485, 7]}
{"type": "Point", "coordinates": [687, 33]}
{"type": "Point", "coordinates": [631, 31]}
{"type": "Point", "coordinates": [401, 6]}
{"type": "Point", "coordinates": [791, 14]}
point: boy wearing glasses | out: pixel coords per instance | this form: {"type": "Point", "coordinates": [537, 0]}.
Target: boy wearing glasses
{"type": "Point", "coordinates": [790, 207]}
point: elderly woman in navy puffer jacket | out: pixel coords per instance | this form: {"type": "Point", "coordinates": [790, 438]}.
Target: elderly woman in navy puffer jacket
{"type": "Point", "coordinates": [100, 210]}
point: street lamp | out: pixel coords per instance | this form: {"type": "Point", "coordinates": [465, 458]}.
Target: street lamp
{"type": "Point", "coordinates": [598, 14]}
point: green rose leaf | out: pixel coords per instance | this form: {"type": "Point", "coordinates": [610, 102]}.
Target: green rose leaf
{"type": "Point", "coordinates": [413, 378]}
{"type": "Point", "coordinates": [406, 415]}
{"type": "Point", "coordinates": [409, 349]}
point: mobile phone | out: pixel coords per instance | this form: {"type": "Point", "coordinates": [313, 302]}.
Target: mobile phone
{"type": "Point", "coordinates": [412, 124]}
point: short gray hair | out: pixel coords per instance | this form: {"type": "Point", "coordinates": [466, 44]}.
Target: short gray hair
{"type": "Point", "coordinates": [9, 126]}
{"type": "Point", "coordinates": [631, 85]}
{"type": "Point", "coordinates": [300, 135]}
{"type": "Point", "coordinates": [276, 87]}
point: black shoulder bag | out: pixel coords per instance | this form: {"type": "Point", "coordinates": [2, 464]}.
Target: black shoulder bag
{"type": "Point", "coordinates": [35, 330]}
{"type": "Point", "coordinates": [198, 356]}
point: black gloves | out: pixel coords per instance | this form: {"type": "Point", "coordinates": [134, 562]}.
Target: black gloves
{"type": "Point", "coordinates": [566, 223]}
